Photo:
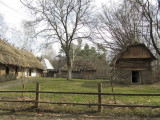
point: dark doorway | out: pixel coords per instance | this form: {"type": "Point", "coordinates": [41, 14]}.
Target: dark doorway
{"type": "Point", "coordinates": [7, 70]}
{"type": "Point", "coordinates": [135, 77]}
{"type": "Point", "coordinates": [16, 71]}
{"type": "Point", "coordinates": [30, 72]}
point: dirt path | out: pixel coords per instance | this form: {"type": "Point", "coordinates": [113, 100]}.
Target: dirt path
{"type": "Point", "coordinates": [8, 84]}
{"type": "Point", "coordinates": [55, 116]}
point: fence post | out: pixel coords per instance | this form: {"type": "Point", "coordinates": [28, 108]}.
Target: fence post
{"type": "Point", "coordinates": [99, 97]}
{"type": "Point", "coordinates": [37, 95]}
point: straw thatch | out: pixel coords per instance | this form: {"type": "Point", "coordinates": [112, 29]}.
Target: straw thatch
{"type": "Point", "coordinates": [10, 55]}
{"type": "Point", "coordinates": [81, 65]}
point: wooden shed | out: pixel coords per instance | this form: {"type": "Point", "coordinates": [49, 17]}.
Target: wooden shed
{"type": "Point", "coordinates": [132, 65]}
{"type": "Point", "coordinates": [81, 69]}
{"type": "Point", "coordinates": [16, 63]}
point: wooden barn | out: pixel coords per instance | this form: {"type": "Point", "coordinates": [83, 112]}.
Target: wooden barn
{"type": "Point", "coordinates": [81, 69]}
{"type": "Point", "coordinates": [16, 63]}
{"type": "Point", "coordinates": [133, 65]}
{"type": "Point", "coordinates": [49, 70]}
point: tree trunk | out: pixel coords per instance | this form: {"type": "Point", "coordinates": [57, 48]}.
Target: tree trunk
{"type": "Point", "coordinates": [69, 69]}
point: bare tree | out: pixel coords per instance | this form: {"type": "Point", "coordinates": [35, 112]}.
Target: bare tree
{"type": "Point", "coordinates": [48, 53]}
{"type": "Point", "coordinates": [24, 39]}
{"type": "Point", "coordinates": [132, 20]}
{"type": "Point", "coordinates": [61, 20]}
{"type": "Point", "coordinates": [3, 27]}
{"type": "Point", "coordinates": [28, 42]}
{"type": "Point", "coordinates": [118, 26]}
{"type": "Point", "coordinates": [150, 9]}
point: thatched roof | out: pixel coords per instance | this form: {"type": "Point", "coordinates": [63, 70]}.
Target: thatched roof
{"type": "Point", "coordinates": [10, 55]}
{"type": "Point", "coordinates": [134, 44]}
{"type": "Point", "coordinates": [81, 65]}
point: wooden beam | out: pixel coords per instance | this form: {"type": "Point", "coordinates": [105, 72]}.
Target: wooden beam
{"type": "Point", "coordinates": [99, 97]}
{"type": "Point", "coordinates": [37, 95]}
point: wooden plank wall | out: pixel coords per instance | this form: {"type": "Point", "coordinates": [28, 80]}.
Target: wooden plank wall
{"type": "Point", "coordinates": [136, 52]}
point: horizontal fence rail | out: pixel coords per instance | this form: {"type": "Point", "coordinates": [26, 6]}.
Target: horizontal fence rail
{"type": "Point", "coordinates": [37, 100]}
{"type": "Point", "coordinates": [87, 93]}
{"type": "Point", "coordinates": [17, 101]}
{"type": "Point", "coordinates": [24, 91]}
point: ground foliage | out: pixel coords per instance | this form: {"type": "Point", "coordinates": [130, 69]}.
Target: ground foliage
{"type": "Point", "coordinates": [50, 84]}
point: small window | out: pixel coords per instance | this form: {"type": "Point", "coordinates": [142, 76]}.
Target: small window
{"type": "Point", "coordinates": [135, 77]}
{"type": "Point", "coordinates": [7, 70]}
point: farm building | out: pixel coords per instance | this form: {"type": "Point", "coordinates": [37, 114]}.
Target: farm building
{"type": "Point", "coordinates": [16, 63]}
{"type": "Point", "coordinates": [133, 65]}
{"type": "Point", "coordinates": [49, 70]}
{"type": "Point", "coordinates": [81, 69]}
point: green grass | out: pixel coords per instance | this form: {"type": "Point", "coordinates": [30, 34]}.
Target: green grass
{"type": "Point", "coordinates": [79, 85]}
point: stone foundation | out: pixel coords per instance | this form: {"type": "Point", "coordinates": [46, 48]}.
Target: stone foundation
{"type": "Point", "coordinates": [125, 77]}
{"type": "Point", "coordinates": [146, 77]}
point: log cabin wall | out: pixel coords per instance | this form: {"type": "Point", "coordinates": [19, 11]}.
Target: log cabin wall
{"type": "Point", "coordinates": [133, 65]}
{"type": "Point", "coordinates": [39, 73]}
{"type": "Point", "coordinates": [90, 75]}
{"type": "Point", "coordinates": [75, 74]}
{"type": "Point", "coordinates": [7, 72]}
{"type": "Point", "coordinates": [80, 74]}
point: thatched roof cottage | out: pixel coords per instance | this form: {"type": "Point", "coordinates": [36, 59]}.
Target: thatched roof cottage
{"type": "Point", "coordinates": [132, 65]}
{"type": "Point", "coordinates": [15, 63]}
{"type": "Point", "coordinates": [81, 69]}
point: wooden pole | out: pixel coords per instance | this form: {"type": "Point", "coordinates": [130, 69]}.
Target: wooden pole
{"type": "Point", "coordinates": [37, 95]}
{"type": "Point", "coordinates": [99, 97]}
{"type": "Point", "coordinates": [23, 86]}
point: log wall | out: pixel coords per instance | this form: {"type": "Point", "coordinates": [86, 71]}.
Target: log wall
{"type": "Point", "coordinates": [134, 64]}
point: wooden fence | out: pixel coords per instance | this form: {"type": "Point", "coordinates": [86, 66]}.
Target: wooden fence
{"type": "Point", "coordinates": [37, 100]}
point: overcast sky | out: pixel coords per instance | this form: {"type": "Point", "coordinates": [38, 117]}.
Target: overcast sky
{"type": "Point", "coordinates": [14, 12]}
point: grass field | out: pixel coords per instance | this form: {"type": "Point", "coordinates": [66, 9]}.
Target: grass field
{"type": "Point", "coordinates": [78, 85]}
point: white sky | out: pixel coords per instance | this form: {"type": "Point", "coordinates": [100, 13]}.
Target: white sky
{"type": "Point", "coordinates": [14, 12]}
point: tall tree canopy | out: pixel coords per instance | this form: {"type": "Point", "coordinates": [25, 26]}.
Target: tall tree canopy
{"type": "Point", "coordinates": [61, 20]}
